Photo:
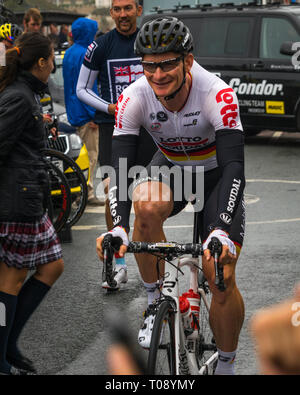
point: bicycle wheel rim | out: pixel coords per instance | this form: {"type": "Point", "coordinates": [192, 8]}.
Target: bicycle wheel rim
{"type": "Point", "coordinates": [77, 183]}
{"type": "Point", "coordinates": [59, 199]}
{"type": "Point", "coordinates": [162, 358]}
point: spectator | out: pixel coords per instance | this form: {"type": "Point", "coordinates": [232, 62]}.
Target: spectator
{"type": "Point", "coordinates": [27, 238]}
{"type": "Point", "coordinates": [32, 20]}
{"type": "Point", "coordinates": [79, 114]}
{"type": "Point", "coordinates": [53, 35]}
{"type": "Point", "coordinates": [63, 36]}
{"type": "Point", "coordinates": [276, 332]}
{"type": "Point", "coordinates": [111, 60]}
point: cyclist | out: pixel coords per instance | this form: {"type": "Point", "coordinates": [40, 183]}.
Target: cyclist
{"type": "Point", "coordinates": [8, 33]}
{"type": "Point", "coordinates": [193, 116]}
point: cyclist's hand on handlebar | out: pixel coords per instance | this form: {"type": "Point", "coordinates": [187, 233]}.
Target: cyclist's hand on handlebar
{"type": "Point", "coordinates": [228, 247]}
{"type": "Point", "coordinates": [118, 231]}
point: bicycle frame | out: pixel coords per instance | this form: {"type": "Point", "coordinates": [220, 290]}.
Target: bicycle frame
{"type": "Point", "coordinates": [186, 362]}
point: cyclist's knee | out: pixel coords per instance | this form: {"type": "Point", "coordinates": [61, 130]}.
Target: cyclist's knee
{"type": "Point", "coordinates": [151, 212]}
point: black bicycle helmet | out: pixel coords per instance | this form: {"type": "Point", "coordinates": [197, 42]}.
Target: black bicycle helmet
{"type": "Point", "coordinates": [10, 31]}
{"type": "Point", "coordinates": [163, 35]}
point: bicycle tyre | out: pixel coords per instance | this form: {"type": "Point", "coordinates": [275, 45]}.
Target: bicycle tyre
{"type": "Point", "coordinates": [77, 182]}
{"type": "Point", "coordinates": [162, 356]}
{"type": "Point", "coordinates": [206, 346]}
{"type": "Point", "coordinates": [59, 198]}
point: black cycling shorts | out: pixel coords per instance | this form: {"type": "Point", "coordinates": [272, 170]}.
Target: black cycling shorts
{"type": "Point", "coordinates": [210, 198]}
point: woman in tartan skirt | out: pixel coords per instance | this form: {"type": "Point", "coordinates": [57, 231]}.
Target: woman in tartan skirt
{"type": "Point", "coordinates": [28, 240]}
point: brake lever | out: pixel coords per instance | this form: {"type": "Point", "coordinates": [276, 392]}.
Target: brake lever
{"type": "Point", "coordinates": [215, 247]}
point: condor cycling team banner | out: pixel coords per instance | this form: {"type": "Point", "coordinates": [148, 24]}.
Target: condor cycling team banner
{"type": "Point", "coordinates": [122, 73]}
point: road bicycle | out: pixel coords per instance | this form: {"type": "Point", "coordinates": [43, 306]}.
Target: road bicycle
{"type": "Point", "coordinates": [58, 201]}
{"type": "Point", "coordinates": [76, 181]}
{"type": "Point", "coordinates": [177, 348]}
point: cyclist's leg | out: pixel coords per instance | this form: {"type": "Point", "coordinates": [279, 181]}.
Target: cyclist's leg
{"type": "Point", "coordinates": [227, 308]}
{"type": "Point", "coordinates": [153, 204]}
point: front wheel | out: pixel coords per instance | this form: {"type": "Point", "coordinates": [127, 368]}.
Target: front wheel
{"type": "Point", "coordinates": [162, 356]}
{"type": "Point", "coordinates": [206, 354]}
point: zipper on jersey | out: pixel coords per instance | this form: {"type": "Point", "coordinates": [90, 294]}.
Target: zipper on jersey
{"type": "Point", "coordinates": [176, 119]}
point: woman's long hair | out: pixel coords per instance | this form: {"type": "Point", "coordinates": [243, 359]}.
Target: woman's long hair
{"type": "Point", "coordinates": [28, 49]}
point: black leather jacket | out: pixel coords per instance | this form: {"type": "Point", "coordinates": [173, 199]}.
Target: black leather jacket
{"type": "Point", "coordinates": [23, 177]}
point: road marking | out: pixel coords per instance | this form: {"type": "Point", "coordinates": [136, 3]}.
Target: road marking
{"type": "Point", "coordinates": [275, 181]}
{"type": "Point", "coordinates": [275, 221]}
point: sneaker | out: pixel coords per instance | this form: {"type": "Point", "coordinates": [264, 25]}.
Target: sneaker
{"type": "Point", "coordinates": [17, 372]}
{"type": "Point", "coordinates": [121, 277]}
{"type": "Point", "coordinates": [145, 333]}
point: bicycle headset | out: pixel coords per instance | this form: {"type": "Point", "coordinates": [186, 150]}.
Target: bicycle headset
{"type": "Point", "coordinates": [164, 35]}
{"type": "Point", "coordinates": [10, 31]}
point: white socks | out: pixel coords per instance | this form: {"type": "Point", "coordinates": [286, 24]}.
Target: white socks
{"type": "Point", "coordinates": [225, 363]}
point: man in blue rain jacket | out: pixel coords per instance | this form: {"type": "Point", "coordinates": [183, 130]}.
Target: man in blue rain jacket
{"type": "Point", "coordinates": [79, 114]}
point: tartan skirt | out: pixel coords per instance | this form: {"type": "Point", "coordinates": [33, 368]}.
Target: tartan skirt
{"type": "Point", "coordinates": [28, 245]}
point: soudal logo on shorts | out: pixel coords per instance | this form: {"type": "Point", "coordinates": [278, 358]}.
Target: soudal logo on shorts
{"type": "Point", "coordinates": [229, 111]}
{"type": "Point", "coordinates": [226, 218]}
{"type": "Point", "coordinates": [90, 51]}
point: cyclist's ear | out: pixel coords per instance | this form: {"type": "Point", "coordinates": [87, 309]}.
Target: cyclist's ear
{"type": "Point", "coordinates": [188, 62]}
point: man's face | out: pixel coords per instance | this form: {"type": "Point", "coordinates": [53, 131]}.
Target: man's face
{"type": "Point", "coordinates": [125, 13]}
{"type": "Point", "coordinates": [33, 26]}
{"type": "Point", "coordinates": [166, 79]}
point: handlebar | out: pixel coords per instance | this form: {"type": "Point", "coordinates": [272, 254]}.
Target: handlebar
{"type": "Point", "coordinates": [171, 249]}
{"type": "Point", "coordinates": [168, 248]}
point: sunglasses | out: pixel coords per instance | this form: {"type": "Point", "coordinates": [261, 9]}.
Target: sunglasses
{"type": "Point", "coordinates": [164, 65]}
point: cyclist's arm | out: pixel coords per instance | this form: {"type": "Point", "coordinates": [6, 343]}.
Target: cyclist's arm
{"type": "Point", "coordinates": [222, 109]}
{"type": "Point", "coordinates": [230, 156]}
{"type": "Point", "coordinates": [124, 153]}
{"type": "Point", "coordinates": [13, 114]}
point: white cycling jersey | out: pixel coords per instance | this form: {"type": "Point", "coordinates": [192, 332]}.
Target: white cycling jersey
{"type": "Point", "coordinates": [185, 137]}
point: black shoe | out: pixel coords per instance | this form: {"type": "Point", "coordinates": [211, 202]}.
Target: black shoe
{"type": "Point", "coordinates": [16, 372]}
{"type": "Point", "coordinates": [21, 363]}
